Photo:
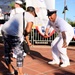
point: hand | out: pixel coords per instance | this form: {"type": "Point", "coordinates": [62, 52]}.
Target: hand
{"type": "Point", "coordinates": [46, 34]}
{"type": "Point", "coordinates": [29, 43]}
{"type": "Point", "coordinates": [64, 44]}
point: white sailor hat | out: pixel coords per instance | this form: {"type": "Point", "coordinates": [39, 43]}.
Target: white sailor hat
{"type": "Point", "coordinates": [18, 1]}
{"type": "Point", "coordinates": [51, 11]}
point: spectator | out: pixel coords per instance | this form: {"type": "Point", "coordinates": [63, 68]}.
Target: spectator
{"type": "Point", "coordinates": [17, 8]}
{"type": "Point", "coordinates": [12, 32]}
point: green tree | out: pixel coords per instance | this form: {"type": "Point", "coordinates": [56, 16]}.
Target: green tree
{"type": "Point", "coordinates": [71, 22]}
{"type": "Point", "coordinates": [12, 5]}
{"type": "Point", "coordinates": [23, 5]}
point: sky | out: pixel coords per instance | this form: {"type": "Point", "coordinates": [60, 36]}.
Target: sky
{"type": "Point", "coordinates": [70, 14]}
{"type": "Point", "coordinates": [59, 5]}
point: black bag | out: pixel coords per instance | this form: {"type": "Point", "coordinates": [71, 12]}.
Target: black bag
{"type": "Point", "coordinates": [26, 47]}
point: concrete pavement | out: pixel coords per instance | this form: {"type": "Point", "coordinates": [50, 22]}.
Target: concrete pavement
{"type": "Point", "coordinates": [36, 64]}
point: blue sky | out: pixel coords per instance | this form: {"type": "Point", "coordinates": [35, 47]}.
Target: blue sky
{"type": "Point", "coordinates": [59, 5]}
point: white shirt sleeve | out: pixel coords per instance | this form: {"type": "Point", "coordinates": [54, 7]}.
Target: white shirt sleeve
{"type": "Point", "coordinates": [63, 25]}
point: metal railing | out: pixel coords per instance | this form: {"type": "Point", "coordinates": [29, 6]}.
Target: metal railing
{"type": "Point", "coordinates": [36, 38]}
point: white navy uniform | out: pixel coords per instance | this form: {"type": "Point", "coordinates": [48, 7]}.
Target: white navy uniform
{"type": "Point", "coordinates": [60, 25]}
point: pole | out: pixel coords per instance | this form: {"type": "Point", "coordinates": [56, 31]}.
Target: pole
{"type": "Point", "coordinates": [64, 9]}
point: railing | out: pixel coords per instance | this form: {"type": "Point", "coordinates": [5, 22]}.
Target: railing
{"type": "Point", "coordinates": [36, 38]}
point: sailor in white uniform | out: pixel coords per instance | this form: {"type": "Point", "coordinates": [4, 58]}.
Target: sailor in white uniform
{"type": "Point", "coordinates": [59, 44]}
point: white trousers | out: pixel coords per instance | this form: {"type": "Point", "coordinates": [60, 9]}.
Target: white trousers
{"type": "Point", "coordinates": [57, 50]}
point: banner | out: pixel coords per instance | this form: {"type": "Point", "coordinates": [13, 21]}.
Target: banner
{"type": "Point", "coordinates": [50, 4]}
{"type": "Point", "coordinates": [41, 30]}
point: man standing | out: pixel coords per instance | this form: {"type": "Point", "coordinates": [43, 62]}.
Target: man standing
{"type": "Point", "coordinates": [12, 32]}
{"type": "Point", "coordinates": [65, 34]}
{"type": "Point", "coordinates": [17, 8]}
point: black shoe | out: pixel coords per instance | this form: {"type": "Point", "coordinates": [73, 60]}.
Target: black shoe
{"type": "Point", "coordinates": [15, 72]}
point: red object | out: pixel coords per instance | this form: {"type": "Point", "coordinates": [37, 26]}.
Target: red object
{"type": "Point", "coordinates": [42, 34]}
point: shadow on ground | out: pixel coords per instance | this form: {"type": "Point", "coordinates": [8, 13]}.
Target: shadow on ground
{"type": "Point", "coordinates": [36, 55]}
{"type": "Point", "coordinates": [65, 73]}
{"type": "Point", "coordinates": [3, 69]}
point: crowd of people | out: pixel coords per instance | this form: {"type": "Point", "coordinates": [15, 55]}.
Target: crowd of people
{"type": "Point", "coordinates": [14, 32]}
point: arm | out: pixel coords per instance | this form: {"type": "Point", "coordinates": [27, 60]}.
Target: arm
{"type": "Point", "coordinates": [28, 41]}
{"type": "Point", "coordinates": [47, 29]}
{"type": "Point", "coordinates": [46, 32]}
{"type": "Point", "coordinates": [28, 28]}
{"type": "Point", "coordinates": [27, 31]}
{"type": "Point", "coordinates": [64, 40]}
